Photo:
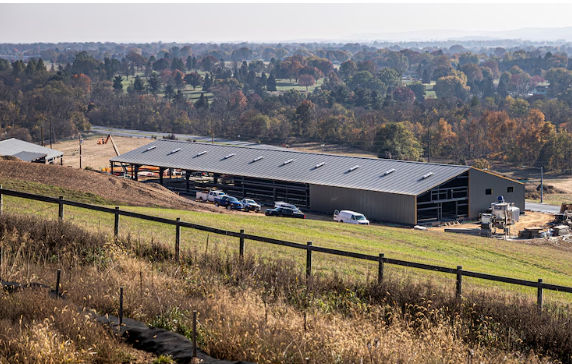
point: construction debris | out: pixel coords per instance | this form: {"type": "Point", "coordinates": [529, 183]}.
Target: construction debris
{"type": "Point", "coordinates": [560, 230]}
{"type": "Point", "coordinates": [532, 233]}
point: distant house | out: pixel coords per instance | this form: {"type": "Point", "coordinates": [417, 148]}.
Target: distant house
{"type": "Point", "coordinates": [30, 152]}
{"type": "Point", "coordinates": [540, 89]}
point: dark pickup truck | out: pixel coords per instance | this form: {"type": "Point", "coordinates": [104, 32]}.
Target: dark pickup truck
{"type": "Point", "coordinates": [229, 202]}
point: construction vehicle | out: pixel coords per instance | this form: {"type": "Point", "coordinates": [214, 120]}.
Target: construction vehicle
{"type": "Point", "coordinates": [503, 215]}
{"type": "Point", "coordinates": [107, 139]}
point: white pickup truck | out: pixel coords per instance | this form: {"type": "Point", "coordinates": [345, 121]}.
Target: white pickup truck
{"type": "Point", "coordinates": [209, 195]}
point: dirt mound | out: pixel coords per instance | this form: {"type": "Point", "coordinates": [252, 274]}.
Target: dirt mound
{"type": "Point", "coordinates": [118, 190]}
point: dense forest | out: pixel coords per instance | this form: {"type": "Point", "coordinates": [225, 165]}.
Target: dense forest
{"type": "Point", "coordinates": [449, 104]}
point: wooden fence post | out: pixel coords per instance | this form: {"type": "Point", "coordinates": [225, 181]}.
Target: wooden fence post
{"type": "Point", "coordinates": [120, 306]}
{"type": "Point", "coordinates": [459, 291]}
{"type": "Point", "coordinates": [539, 296]}
{"type": "Point", "coordinates": [177, 238]}
{"type": "Point", "coordinates": [61, 208]}
{"type": "Point", "coordinates": [116, 223]}
{"type": "Point", "coordinates": [1, 201]}
{"type": "Point", "coordinates": [194, 334]}
{"type": "Point", "coordinates": [58, 275]}
{"type": "Point", "coordinates": [380, 269]}
{"type": "Point", "coordinates": [308, 260]}
{"type": "Point", "coordinates": [241, 247]}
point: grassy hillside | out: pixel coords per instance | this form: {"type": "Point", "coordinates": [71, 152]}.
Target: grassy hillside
{"type": "Point", "coordinates": [526, 260]}
{"type": "Point", "coordinates": [249, 309]}
{"type": "Point", "coordinates": [50, 190]}
{"type": "Point", "coordinates": [86, 184]}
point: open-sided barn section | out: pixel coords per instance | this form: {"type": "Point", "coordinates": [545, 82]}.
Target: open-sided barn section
{"type": "Point", "coordinates": [29, 152]}
{"type": "Point", "coordinates": [383, 189]}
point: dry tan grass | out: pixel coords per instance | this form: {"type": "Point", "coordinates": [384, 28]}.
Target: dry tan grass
{"type": "Point", "coordinates": [36, 328]}
{"type": "Point", "coordinates": [95, 155]}
{"type": "Point", "coordinates": [261, 311]}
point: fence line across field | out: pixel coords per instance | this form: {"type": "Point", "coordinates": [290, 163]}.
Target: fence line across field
{"type": "Point", "coordinates": [309, 247]}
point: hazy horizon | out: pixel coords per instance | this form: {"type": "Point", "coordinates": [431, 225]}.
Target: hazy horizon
{"type": "Point", "coordinates": [272, 23]}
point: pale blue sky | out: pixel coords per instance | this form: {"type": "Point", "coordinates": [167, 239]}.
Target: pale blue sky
{"type": "Point", "coordinates": [268, 22]}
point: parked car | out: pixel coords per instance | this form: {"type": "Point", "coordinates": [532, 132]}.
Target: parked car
{"type": "Point", "coordinates": [285, 204]}
{"type": "Point", "coordinates": [250, 205]}
{"type": "Point", "coordinates": [229, 202]}
{"type": "Point", "coordinates": [286, 212]}
{"type": "Point", "coordinates": [209, 196]}
{"type": "Point", "coordinates": [350, 217]}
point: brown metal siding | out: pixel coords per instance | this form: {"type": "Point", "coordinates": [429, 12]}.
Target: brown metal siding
{"type": "Point", "coordinates": [480, 181]}
{"type": "Point", "coordinates": [378, 206]}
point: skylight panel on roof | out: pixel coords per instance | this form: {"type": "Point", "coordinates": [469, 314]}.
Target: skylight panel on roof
{"type": "Point", "coordinates": [258, 158]}
{"type": "Point", "coordinates": [201, 153]}
{"type": "Point", "coordinates": [150, 148]}
{"type": "Point", "coordinates": [389, 171]}
{"type": "Point", "coordinates": [229, 156]}
{"type": "Point", "coordinates": [425, 176]}
{"type": "Point", "coordinates": [287, 162]}
{"type": "Point", "coordinates": [353, 168]}
{"type": "Point", "coordinates": [319, 165]}
{"type": "Point", "coordinates": [174, 151]}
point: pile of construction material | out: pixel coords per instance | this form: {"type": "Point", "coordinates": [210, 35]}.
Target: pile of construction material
{"type": "Point", "coordinates": [560, 230]}
{"type": "Point", "coordinates": [563, 221]}
{"type": "Point", "coordinates": [560, 226]}
{"type": "Point", "coordinates": [533, 233]}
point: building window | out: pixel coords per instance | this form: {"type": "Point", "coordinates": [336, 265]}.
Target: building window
{"type": "Point", "coordinates": [489, 191]}
{"type": "Point", "coordinates": [510, 189]}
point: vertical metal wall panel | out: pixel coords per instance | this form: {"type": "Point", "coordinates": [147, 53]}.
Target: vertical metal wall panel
{"type": "Point", "coordinates": [480, 181]}
{"type": "Point", "coordinates": [378, 206]}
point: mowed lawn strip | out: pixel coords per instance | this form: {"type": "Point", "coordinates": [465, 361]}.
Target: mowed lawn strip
{"type": "Point", "coordinates": [506, 258]}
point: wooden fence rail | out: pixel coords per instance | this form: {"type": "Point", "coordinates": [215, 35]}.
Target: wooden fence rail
{"type": "Point", "coordinates": [309, 247]}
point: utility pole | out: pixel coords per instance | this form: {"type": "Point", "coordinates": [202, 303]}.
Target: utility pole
{"type": "Point", "coordinates": [51, 134]}
{"type": "Point", "coordinates": [80, 141]}
{"type": "Point", "coordinates": [541, 184]}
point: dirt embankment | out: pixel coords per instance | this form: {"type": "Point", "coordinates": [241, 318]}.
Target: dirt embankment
{"type": "Point", "coordinates": [119, 190]}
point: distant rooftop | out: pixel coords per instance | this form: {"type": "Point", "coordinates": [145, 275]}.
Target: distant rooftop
{"type": "Point", "coordinates": [14, 147]}
{"type": "Point", "coordinates": [384, 175]}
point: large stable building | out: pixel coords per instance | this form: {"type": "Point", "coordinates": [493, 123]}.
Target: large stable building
{"type": "Point", "coordinates": [383, 189]}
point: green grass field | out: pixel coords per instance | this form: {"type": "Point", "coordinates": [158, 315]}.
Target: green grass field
{"type": "Point", "coordinates": [429, 93]}
{"type": "Point", "coordinates": [284, 85]}
{"type": "Point", "coordinates": [507, 258]}
{"type": "Point", "coordinates": [188, 91]}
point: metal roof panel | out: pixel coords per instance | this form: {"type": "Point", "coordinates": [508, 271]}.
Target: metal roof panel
{"type": "Point", "coordinates": [14, 146]}
{"type": "Point", "coordinates": [340, 171]}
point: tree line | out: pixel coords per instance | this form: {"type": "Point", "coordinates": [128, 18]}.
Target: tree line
{"type": "Point", "coordinates": [513, 106]}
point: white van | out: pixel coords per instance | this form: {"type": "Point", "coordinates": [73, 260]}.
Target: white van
{"type": "Point", "coordinates": [350, 217]}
